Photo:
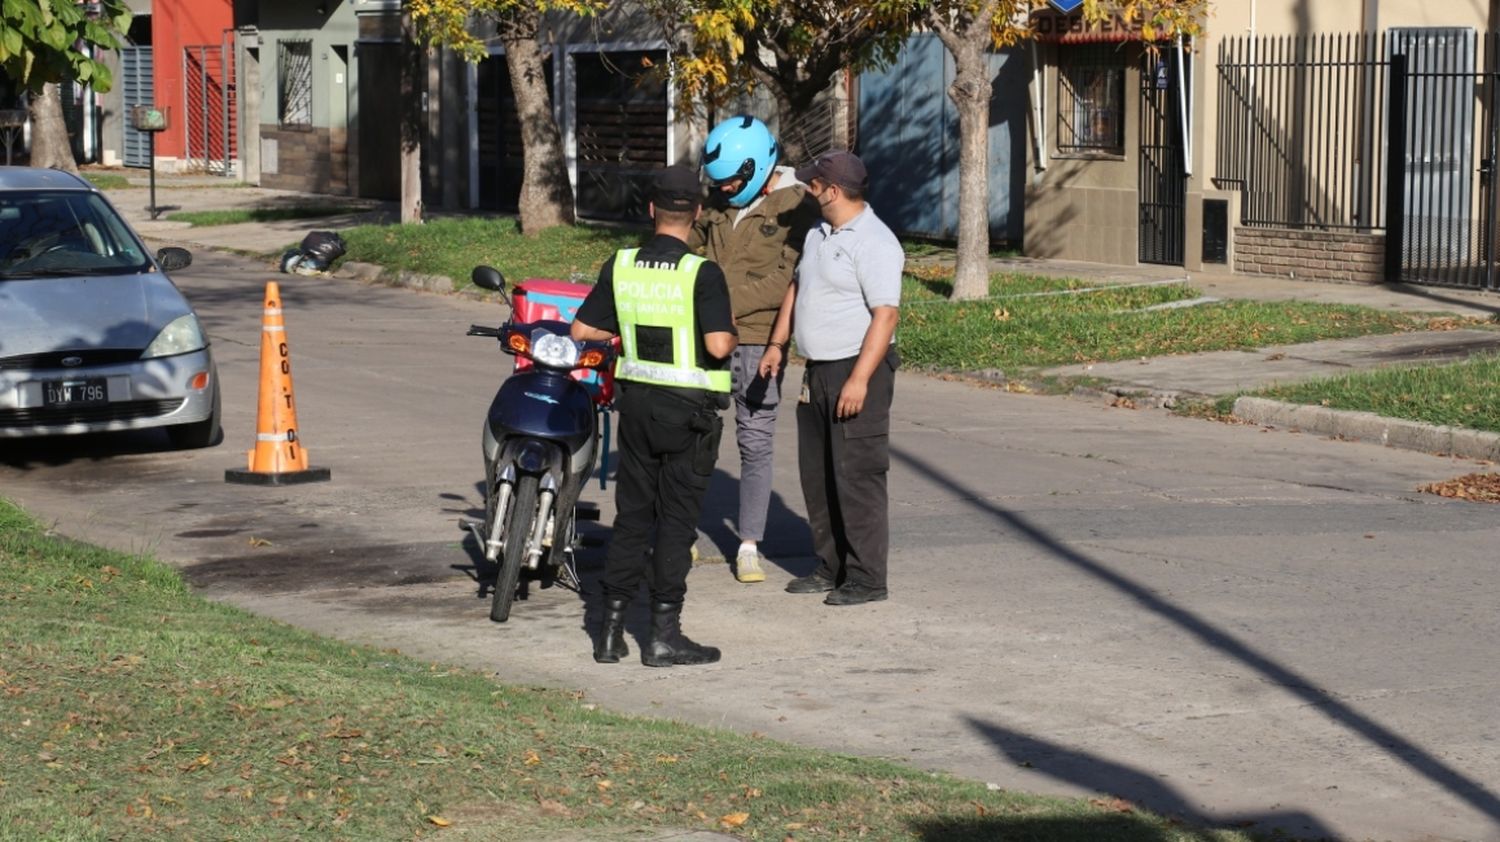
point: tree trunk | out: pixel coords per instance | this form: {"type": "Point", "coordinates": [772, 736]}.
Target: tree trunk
{"type": "Point", "coordinates": [411, 125]}
{"type": "Point", "coordinates": [49, 132]}
{"type": "Point", "coordinates": [546, 193]}
{"type": "Point", "coordinates": [970, 92]}
{"type": "Point", "coordinates": [967, 38]}
{"type": "Point", "coordinates": [789, 135]}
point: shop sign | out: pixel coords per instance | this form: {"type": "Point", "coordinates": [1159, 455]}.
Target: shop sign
{"type": "Point", "coordinates": [1052, 26]}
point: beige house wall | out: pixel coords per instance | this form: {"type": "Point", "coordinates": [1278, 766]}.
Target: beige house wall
{"type": "Point", "coordinates": [1087, 207]}
{"type": "Point", "coordinates": [1081, 209]}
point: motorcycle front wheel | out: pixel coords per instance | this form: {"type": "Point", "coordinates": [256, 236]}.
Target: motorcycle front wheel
{"type": "Point", "coordinates": [517, 533]}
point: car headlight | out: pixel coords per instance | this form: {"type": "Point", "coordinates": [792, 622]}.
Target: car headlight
{"type": "Point", "coordinates": [549, 349]}
{"type": "Point", "coordinates": [183, 336]}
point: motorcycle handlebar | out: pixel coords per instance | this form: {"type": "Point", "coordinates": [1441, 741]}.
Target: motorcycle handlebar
{"type": "Point", "coordinates": [483, 330]}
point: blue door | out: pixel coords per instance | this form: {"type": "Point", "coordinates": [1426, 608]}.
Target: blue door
{"type": "Point", "coordinates": [908, 139]}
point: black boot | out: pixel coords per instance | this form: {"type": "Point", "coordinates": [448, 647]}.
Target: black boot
{"type": "Point", "coordinates": [669, 647]}
{"type": "Point", "coordinates": [610, 647]}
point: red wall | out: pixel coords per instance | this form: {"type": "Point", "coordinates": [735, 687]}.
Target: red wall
{"type": "Point", "coordinates": [176, 24]}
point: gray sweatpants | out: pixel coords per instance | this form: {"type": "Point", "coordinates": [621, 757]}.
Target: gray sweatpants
{"type": "Point", "coordinates": [756, 399]}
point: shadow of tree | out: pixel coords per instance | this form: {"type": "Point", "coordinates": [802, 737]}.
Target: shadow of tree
{"type": "Point", "coordinates": [1121, 780]}
{"type": "Point", "coordinates": [1130, 784]}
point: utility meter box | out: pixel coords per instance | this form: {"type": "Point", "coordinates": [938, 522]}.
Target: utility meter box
{"type": "Point", "coordinates": [148, 118]}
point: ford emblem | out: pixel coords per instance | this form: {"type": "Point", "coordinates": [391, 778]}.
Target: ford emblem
{"type": "Point", "coordinates": [72, 361]}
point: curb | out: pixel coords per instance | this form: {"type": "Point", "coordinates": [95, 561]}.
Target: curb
{"type": "Point", "coordinates": [1367, 426]}
{"type": "Point", "coordinates": [375, 273]}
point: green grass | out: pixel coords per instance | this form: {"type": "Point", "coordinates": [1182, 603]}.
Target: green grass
{"type": "Point", "coordinates": [130, 708]}
{"type": "Point", "coordinates": [1462, 394]}
{"type": "Point", "coordinates": [239, 215]}
{"type": "Point", "coordinates": [1020, 327]}
{"type": "Point", "coordinates": [1015, 331]}
{"type": "Point", "coordinates": [453, 247]}
{"type": "Point", "coordinates": [107, 180]}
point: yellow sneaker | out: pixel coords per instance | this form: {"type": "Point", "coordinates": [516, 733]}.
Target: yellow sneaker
{"type": "Point", "coordinates": [747, 567]}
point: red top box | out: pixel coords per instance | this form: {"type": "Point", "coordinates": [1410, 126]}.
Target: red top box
{"type": "Point", "coordinates": [536, 299]}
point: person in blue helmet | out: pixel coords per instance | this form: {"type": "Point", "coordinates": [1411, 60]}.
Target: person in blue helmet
{"type": "Point", "coordinates": [753, 226]}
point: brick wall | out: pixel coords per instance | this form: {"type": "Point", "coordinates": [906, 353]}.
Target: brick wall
{"type": "Point", "coordinates": [1342, 256]}
{"type": "Point", "coordinates": [313, 160]}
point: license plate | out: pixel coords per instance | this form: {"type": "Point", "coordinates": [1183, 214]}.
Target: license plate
{"type": "Point", "coordinates": [94, 390]}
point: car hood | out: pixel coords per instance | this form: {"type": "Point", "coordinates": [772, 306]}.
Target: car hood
{"type": "Point", "coordinates": [41, 315]}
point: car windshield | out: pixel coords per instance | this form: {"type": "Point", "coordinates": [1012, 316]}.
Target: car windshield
{"type": "Point", "coordinates": [60, 233]}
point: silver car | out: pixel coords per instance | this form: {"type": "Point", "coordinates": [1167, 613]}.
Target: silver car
{"type": "Point", "coordinates": [93, 335]}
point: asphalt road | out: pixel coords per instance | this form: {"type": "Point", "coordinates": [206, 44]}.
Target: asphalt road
{"type": "Point", "coordinates": [1230, 625]}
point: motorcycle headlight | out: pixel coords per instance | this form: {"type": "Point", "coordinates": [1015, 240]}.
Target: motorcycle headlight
{"type": "Point", "coordinates": [556, 351]}
{"type": "Point", "coordinates": [184, 335]}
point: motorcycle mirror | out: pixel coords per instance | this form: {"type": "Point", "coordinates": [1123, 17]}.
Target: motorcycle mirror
{"type": "Point", "coordinates": [486, 277]}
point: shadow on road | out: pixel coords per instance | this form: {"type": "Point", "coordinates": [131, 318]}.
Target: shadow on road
{"type": "Point", "coordinates": [1116, 779]}
{"type": "Point", "coordinates": [1142, 788]}
{"type": "Point", "coordinates": [57, 451]}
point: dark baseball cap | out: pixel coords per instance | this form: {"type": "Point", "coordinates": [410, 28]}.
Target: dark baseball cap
{"type": "Point", "coordinates": [836, 167]}
{"type": "Point", "coordinates": [677, 189]}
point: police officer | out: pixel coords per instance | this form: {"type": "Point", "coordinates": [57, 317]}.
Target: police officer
{"type": "Point", "coordinates": [671, 310]}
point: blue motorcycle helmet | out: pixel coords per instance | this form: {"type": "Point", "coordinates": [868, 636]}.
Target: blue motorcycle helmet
{"type": "Point", "coordinates": [741, 147]}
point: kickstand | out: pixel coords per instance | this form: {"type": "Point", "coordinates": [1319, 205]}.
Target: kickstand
{"type": "Point", "coordinates": [567, 575]}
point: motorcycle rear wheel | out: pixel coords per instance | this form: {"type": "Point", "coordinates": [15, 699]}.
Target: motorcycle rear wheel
{"type": "Point", "coordinates": [517, 534]}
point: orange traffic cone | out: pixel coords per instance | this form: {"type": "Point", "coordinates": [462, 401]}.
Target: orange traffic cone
{"type": "Point", "coordinates": [279, 457]}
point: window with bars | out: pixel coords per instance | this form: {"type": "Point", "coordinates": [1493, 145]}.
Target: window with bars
{"type": "Point", "coordinates": [294, 79]}
{"type": "Point", "coordinates": [1090, 99]}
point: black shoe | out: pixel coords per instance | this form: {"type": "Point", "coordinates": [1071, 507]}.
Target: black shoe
{"type": "Point", "coordinates": [610, 647]}
{"type": "Point", "coordinates": [669, 647]}
{"type": "Point", "coordinates": [813, 583]}
{"type": "Point", "coordinates": [851, 593]}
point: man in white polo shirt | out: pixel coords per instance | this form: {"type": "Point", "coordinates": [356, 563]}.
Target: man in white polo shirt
{"type": "Point", "coordinates": [844, 305]}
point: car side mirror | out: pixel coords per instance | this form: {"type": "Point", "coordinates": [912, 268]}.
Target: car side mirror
{"type": "Point", "coordinates": [486, 277]}
{"type": "Point", "coordinates": [172, 258]}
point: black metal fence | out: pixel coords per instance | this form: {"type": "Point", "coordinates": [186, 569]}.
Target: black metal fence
{"type": "Point", "coordinates": [1300, 128]}
{"type": "Point", "coordinates": [1443, 136]}
{"type": "Point", "coordinates": [1393, 132]}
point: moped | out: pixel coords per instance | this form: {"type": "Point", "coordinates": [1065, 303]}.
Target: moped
{"type": "Point", "coordinates": [541, 440]}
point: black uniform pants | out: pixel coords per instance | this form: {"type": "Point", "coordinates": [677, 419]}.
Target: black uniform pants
{"type": "Point", "coordinates": [668, 445]}
{"type": "Point", "coordinates": [844, 465]}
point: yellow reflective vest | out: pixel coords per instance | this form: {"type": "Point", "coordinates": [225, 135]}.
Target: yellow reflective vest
{"type": "Point", "coordinates": [646, 296]}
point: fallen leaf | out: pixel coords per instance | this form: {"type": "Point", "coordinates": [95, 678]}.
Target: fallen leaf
{"type": "Point", "coordinates": [439, 821]}
{"type": "Point", "coordinates": [666, 758]}
{"type": "Point", "coordinates": [259, 542]}
{"type": "Point", "coordinates": [531, 758]}
{"type": "Point", "coordinates": [734, 819]}
{"type": "Point", "coordinates": [1476, 488]}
